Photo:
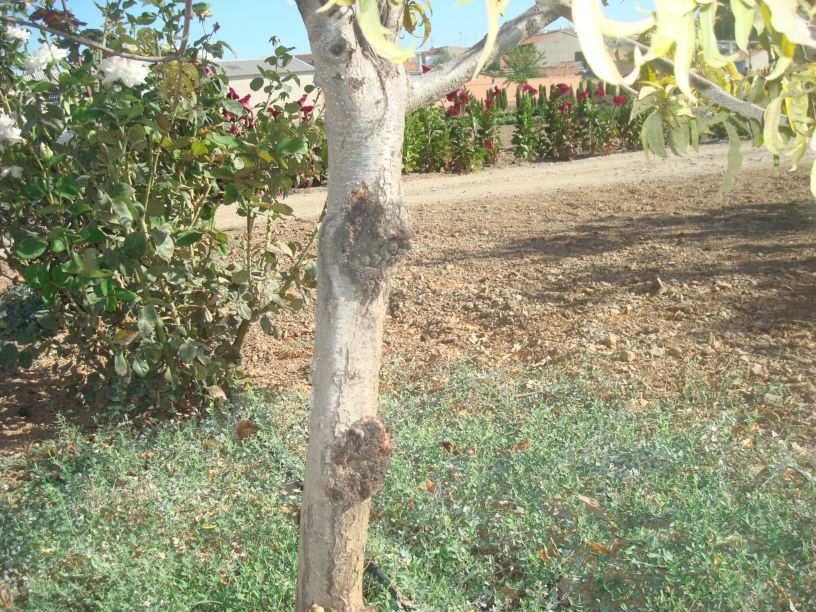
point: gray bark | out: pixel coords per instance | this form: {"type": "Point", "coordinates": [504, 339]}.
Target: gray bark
{"type": "Point", "coordinates": [364, 233]}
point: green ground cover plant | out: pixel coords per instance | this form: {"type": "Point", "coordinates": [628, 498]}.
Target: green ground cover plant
{"type": "Point", "coordinates": [507, 490]}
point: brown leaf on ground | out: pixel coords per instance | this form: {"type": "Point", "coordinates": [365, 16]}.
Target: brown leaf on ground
{"type": "Point", "coordinates": [245, 429]}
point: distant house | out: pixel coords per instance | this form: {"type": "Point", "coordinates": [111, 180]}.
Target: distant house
{"type": "Point", "coordinates": [561, 48]}
{"type": "Point", "coordinates": [241, 73]}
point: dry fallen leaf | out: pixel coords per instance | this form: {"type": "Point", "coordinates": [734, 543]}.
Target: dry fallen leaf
{"type": "Point", "coordinates": [598, 548]}
{"type": "Point", "coordinates": [244, 429]}
{"type": "Point", "coordinates": [428, 486]}
{"type": "Point", "coordinates": [543, 554]}
{"type": "Point", "coordinates": [592, 505]}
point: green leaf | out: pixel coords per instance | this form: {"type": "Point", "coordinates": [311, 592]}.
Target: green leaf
{"type": "Point", "coordinates": [36, 275]}
{"type": "Point", "coordinates": [291, 146]}
{"type": "Point", "coordinates": [187, 351]}
{"type": "Point", "coordinates": [266, 324]}
{"type": "Point", "coordinates": [240, 277]}
{"type": "Point", "coordinates": [120, 365]}
{"type": "Point", "coordinates": [256, 83]}
{"type": "Point", "coordinates": [652, 135]}
{"type": "Point", "coordinates": [77, 208]}
{"type": "Point", "coordinates": [31, 248]}
{"type": "Point", "coordinates": [233, 106]}
{"type": "Point", "coordinates": [198, 148]}
{"type": "Point", "coordinates": [244, 311]}
{"type": "Point", "coordinates": [189, 237]}
{"type": "Point", "coordinates": [121, 197]}
{"type": "Point", "coordinates": [47, 320]}
{"type": "Point", "coordinates": [140, 367]}
{"type": "Point", "coordinates": [282, 209]}
{"type": "Point", "coordinates": [134, 245]}
{"type": "Point", "coordinates": [125, 295]}
{"type": "Point", "coordinates": [8, 355]}
{"type": "Point", "coordinates": [224, 140]}
{"type": "Point", "coordinates": [147, 321]}
{"type": "Point", "coordinates": [67, 188]}
{"type": "Point", "coordinates": [164, 244]}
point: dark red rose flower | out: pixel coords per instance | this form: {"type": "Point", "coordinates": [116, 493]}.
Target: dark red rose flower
{"type": "Point", "coordinates": [488, 102]}
{"type": "Point", "coordinates": [231, 94]}
{"type": "Point", "coordinates": [451, 96]}
{"type": "Point", "coordinates": [207, 71]}
{"type": "Point", "coordinates": [425, 68]}
{"type": "Point", "coordinates": [464, 98]}
{"type": "Point", "coordinates": [530, 90]}
{"type": "Point", "coordinates": [452, 111]}
{"type": "Point", "coordinates": [226, 114]}
{"type": "Point", "coordinates": [619, 100]}
{"type": "Point", "coordinates": [273, 111]}
{"type": "Point", "coordinates": [565, 106]}
{"type": "Point", "coordinates": [488, 145]}
{"type": "Point", "coordinates": [601, 91]}
{"type": "Point", "coordinates": [583, 95]}
{"type": "Point", "coordinates": [563, 88]}
{"type": "Point", "coordinates": [245, 102]}
{"type": "Point", "coordinates": [233, 128]}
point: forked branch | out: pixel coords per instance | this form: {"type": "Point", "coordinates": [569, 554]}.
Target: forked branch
{"type": "Point", "coordinates": [454, 73]}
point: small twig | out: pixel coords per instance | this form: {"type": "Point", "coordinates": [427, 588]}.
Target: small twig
{"type": "Point", "coordinates": [374, 570]}
{"type": "Point", "coordinates": [81, 40]}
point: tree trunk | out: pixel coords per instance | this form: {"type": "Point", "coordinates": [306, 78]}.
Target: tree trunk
{"type": "Point", "coordinates": [364, 233]}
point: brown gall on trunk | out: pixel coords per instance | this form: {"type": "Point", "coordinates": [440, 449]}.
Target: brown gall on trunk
{"type": "Point", "coordinates": [359, 461]}
{"type": "Point", "coordinates": [376, 235]}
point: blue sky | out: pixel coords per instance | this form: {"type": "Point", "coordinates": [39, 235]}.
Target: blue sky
{"type": "Point", "coordinates": [247, 25]}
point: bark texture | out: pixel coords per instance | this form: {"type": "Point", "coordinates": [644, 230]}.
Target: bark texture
{"type": "Point", "coordinates": [365, 231]}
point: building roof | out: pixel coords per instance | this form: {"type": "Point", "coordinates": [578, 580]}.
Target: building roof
{"type": "Point", "coordinates": [236, 69]}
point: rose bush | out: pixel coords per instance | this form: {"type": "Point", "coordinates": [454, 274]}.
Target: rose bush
{"type": "Point", "coordinates": [112, 173]}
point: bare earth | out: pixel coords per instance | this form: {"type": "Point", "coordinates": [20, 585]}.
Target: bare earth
{"type": "Point", "coordinates": [638, 269]}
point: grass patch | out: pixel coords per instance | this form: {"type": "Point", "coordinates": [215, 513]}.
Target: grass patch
{"type": "Point", "coordinates": [506, 491]}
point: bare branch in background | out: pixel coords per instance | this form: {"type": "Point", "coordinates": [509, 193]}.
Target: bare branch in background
{"type": "Point", "coordinates": [80, 40]}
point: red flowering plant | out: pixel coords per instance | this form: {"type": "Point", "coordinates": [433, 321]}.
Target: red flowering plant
{"type": "Point", "coordinates": [459, 136]}
{"type": "Point", "coordinates": [472, 123]}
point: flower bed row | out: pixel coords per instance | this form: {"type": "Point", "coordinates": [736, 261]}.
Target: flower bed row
{"type": "Point", "coordinates": [462, 135]}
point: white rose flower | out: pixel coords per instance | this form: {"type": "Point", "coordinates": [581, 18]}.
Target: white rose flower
{"type": "Point", "coordinates": [9, 132]}
{"type": "Point", "coordinates": [130, 72]}
{"type": "Point", "coordinates": [46, 151]}
{"type": "Point", "coordinates": [66, 137]}
{"type": "Point", "coordinates": [47, 54]}
{"type": "Point", "coordinates": [18, 33]}
{"type": "Point", "coordinates": [12, 171]}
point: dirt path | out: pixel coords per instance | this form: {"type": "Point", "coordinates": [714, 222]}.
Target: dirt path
{"type": "Point", "coordinates": [525, 179]}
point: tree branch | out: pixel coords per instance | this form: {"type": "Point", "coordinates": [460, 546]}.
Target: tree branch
{"type": "Point", "coordinates": [80, 40]}
{"type": "Point", "coordinates": [708, 89]}
{"type": "Point", "coordinates": [451, 75]}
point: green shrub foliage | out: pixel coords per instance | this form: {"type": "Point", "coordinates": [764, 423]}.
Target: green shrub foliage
{"type": "Point", "coordinates": [112, 174]}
